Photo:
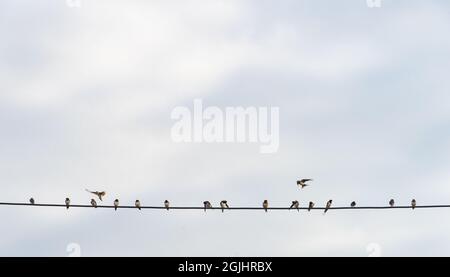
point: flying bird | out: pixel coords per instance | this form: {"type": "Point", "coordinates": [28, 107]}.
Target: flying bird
{"type": "Point", "coordinates": [391, 203]}
{"type": "Point", "coordinates": [100, 194]}
{"type": "Point", "coordinates": [328, 206]}
{"type": "Point", "coordinates": [93, 203]}
{"type": "Point", "coordinates": [67, 203]}
{"type": "Point", "coordinates": [167, 204]}
{"type": "Point", "coordinates": [224, 205]}
{"type": "Point", "coordinates": [311, 205]}
{"type": "Point", "coordinates": [294, 205]}
{"type": "Point", "coordinates": [353, 204]}
{"type": "Point", "coordinates": [116, 204]}
{"type": "Point", "coordinates": [265, 205]}
{"type": "Point", "coordinates": [138, 204]}
{"type": "Point", "coordinates": [413, 204]}
{"type": "Point", "coordinates": [303, 182]}
{"type": "Point", "coordinates": [32, 201]}
{"type": "Point", "coordinates": [207, 205]}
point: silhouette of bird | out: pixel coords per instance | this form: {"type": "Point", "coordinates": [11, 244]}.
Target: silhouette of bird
{"type": "Point", "coordinates": [413, 204]}
{"type": "Point", "coordinates": [137, 203]}
{"type": "Point", "coordinates": [167, 204]}
{"type": "Point", "coordinates": [391, 203]}
{"type": "Point", "coordinates": [116, 204]}
{"type": "Point", "coordinates": [31, 201]}
{"type": "Point", "coordinates": [100, 194]}
{"type": "Point", "coordinates": [67, 203]}
{"type": "Point", "coordinates": [303, 182]}
{"type": "Point", "coordinates": [207, 205]}
{"type": "Point", "coordinates": [310, 206]}
{"type": "Point", "coordinates": [93, 203]}
{"type": "Point", "coordinates": [353, 204]}
{"type": "Point", "coordinates": [224, 205]}
{"type": "Point", "coordinates": [294, 205]}
{"type": "Point", "coordinates": [265, 205]}
{"type": "Point", "coordinates": [328, 206]}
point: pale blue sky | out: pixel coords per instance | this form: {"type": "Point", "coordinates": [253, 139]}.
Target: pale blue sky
{"type": "Point", "coordinates": [86, 96]}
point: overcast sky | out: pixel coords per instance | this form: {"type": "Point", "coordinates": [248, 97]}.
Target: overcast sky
{"type": "Point", "coordinates": [87, 91]}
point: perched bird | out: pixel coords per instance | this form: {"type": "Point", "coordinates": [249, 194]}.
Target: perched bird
{"type": "Point", "coordinates": [311, 205]}
{"type": "Point", "coordinates": [138, 204]}
{"type": "Point", "coordinates": [391, 203]}
{"type": "Point", "coordinates": [100, 194]}
{"type": "Point", "coordinates": [328, 206]}
{"type": "Point", "coordinates": [303, 182]}
{"type": "Point", "coordinates": [116, 204]}
{"type": "Point", "coordinates": [93, 203]}
{"type": "Point", "coordinates": [353, 204]}
{"type": "Point", "coordinates": [413, 204]}
{"type": "Point", "coordinates": [167, 204]}
{"type": "Point", "coordinates": [294, 205]}
{"type": "Point", "coordinates": [224, 205]}
{"type": "Point", "coordinates": [67, 203]}
{"type": "Point", "coordinates": [265, 205]}
{"type": "Point", "coordinates": [31, 201]}
{"type": "Point", "coordinates": [207, 205]}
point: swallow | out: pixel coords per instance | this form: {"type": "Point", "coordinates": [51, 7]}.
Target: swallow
{"type": "Point", "coordinates": [294, 205]}
{"type": "Point", "coordinates": [100, 194]}
{"type": "Point", "coordinates": [391, 203]}
{"type": "Point", "coordinates": [311, 205]}
{"type": "Point", "coordinates": [138, 204]}
{"type": "Point", "coordinates": [224, 205]}
{"type": "Point", "coordinates": [413, 204]}
{"type": "Point", "coordinates": [93, 203]}
{"type": "Point", "coordinates": [266, 205]}
{"type": "Point", "coordinates": [67, 203]}
{"type": "Point", "coordinates": [303, 182]}
{"type": "Point", "coordinates": [31, 201]}
{"type": "Point", "coordinates": [116, 204]}
{"type": "Point", "coordinates": [353, 204]}
{"type": "Point", "coordinates": [328, 206]}
{"type": "Point", "coordinates": [207, 205]}
{"type": "Point", "coordinates": [167, 204]}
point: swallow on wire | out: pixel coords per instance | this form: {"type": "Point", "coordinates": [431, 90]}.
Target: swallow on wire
{"type": "Point", "coordinates": [413, 204]}
{"type": "Point", "coordinates": [207, 205]}
{"type": "Point", "coordinates": [328, 206]}
{"type": "Point", "coordinates": [100, 194]}
{"type": "Point", "coordinates": [265, 205]}
{"type": "Point", "coordinates": [137, 203]}
{"type": "Point", "coordinates": [224, 205]}
{"type": "Point", "coordinates": [93, 203]}
{"type": "Point", "coordinates": [116, 204]}
{"type": "Point", "coordinates": [392, 203]}
{"type": "Point", "coordinates": [32, 201]}
{"type": "Point", "coordinates": [167, 204]}
{"type": "Point", "coordinates": [294, 205]}
{"type": "Point", "coordinates": [303, 182]}
{"type": "Point", "coordinates": [67, 203]}
{"type": "Point", "coordinates": [353, 204]}
{"type": "Point", "coordinates": [310, 206]}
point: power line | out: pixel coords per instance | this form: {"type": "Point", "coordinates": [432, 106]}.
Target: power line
{"type": "Point", "coordinates": [219, 208]}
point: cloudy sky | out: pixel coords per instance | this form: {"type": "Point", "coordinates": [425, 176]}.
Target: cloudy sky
{"type": "Point", "coordinates": [86, 94]}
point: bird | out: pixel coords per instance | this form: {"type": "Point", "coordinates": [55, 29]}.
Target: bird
{"type": "Point", "coordinates": [138, 204]}
{"type": "Point", "coordinates": [93, 203]}
{"type": "Point", "coordinates": [100, 194]}
{"type": "Point", "coordinates": [353, 204]}
{"type": "Point", "coordinates": [391, 203]}
{"type": "Point", "coordinates": [32, 201]}
{"type": "Point", "coordinates": [265, 205]}
{"type": "Point", "coordinates": [311, 205]}
{"type": "Point", "coordinates": [294, 205]}
{"type": "Point", "coordinates": [167, 204]}
{"type": "Point", "coordinates": [207, 205]}
{"type": "Point", "coordinates": [116, 204]}
{"type": "Point", "coordinates": [224, 205]}
{"type": "Point", "coordinates": [328, 206]}
{"type": "Point", "coordinates": [67, 203]}
{"type": "Point", "coordinates": [303, 182]}
{"type": "Point", "coordinates": [413, 204]}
